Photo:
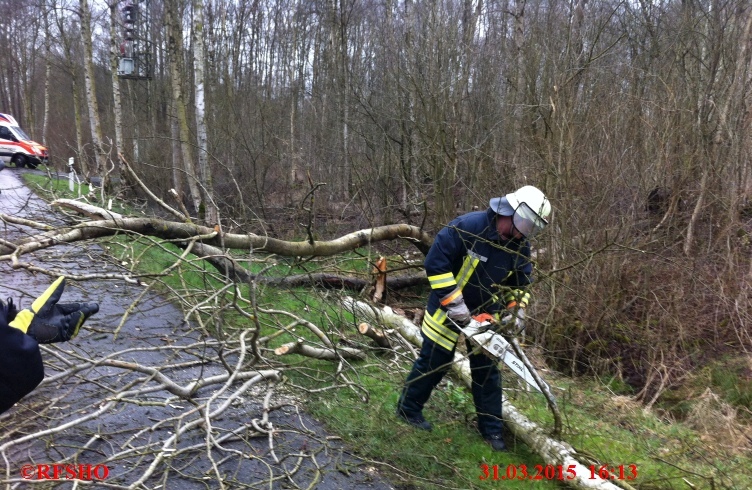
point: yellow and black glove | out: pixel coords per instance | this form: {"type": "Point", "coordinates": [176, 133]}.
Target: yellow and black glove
{"type": "Point", "coordinates": [513, 318]}
{"type": "Point", "coordinates": [517, 298]}
{"type": "Point", "coordinates": [48, 322]}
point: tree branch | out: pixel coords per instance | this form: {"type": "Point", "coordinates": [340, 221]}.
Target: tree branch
{"type": "Point", "coordinates": [335, 354]}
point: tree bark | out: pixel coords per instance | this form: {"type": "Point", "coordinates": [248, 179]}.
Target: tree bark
{"type": "Point", "coordinates": [47, 73]}
{"type": "Point", "coordinates": [231, 268]}
{"type": "Point", "coordinates": [94, 212]}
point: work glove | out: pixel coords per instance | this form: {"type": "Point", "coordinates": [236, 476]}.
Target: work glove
{"type": "Point", "coordinates": [517, 298]}
{"type": "Point", "coordinates": [47, 321]}
{"type": "Point", "coordinates": [457, 310]}
{"type": "Point", "coordinates": [512, 320]}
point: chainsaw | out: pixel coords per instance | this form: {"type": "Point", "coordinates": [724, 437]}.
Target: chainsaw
{"type": "Point", "coordinates": [480, 334]}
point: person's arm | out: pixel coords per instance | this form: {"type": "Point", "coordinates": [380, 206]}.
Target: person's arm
{"type": "Point", "coordinates": [44, 322]}
{"type": "Point", "coordinates": [21, 368]}
{"type": "Point", "coordinates": [439, 263]}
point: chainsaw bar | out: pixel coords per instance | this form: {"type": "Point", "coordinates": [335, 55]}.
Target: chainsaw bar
{"type": "Point", "coordinates": [496, 347]}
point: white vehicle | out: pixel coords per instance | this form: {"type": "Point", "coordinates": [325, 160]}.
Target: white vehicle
{"type": "Point", "coordinates": [16, 147]}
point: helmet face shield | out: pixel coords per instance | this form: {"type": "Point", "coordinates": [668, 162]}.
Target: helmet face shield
{"type": "Point", "coordinates": [527, 221]}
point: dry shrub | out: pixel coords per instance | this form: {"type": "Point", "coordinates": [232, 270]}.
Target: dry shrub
{"type": "Point", "coordinates": [625, 405]}
{"type": "Point", "coordinates": [717, 423]}
{"type": "Point", "coordinates": [647, 314]}
{"type": "Point", "coordinates": [623, 410]}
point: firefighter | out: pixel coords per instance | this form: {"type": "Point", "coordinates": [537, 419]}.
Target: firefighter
{"type": "Point", "coordinates": [479, 263]}
{"type": "Point", "coordinates": [21, 332]}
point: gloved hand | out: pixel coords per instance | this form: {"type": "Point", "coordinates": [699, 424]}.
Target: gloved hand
{"type": "Point", "coordinates": [48, 322]}
{"type": "Point", "coordinates": [457, 311]}
{"type": "Point", "coordinates": [511, 321]}
{"type": "Point", "coordinates": [517, 297]}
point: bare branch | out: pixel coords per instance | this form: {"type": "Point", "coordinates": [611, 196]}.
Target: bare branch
{"type": "Point", "coordinates": [331, 354]}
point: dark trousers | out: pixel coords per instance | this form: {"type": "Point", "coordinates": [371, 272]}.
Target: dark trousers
{"type": "Point", "coordinates": [431, 366]}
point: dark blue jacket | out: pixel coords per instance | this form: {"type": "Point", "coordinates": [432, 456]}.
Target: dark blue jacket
{"type": "Point", "coordinates": [21, 368]}
{"type": "Point", "coordinates": [481, 264]}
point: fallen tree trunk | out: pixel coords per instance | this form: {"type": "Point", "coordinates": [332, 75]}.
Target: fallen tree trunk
{"type": "Point", "coordinates": [231, 268]}
{"type": "Point", "coordinates": [93, 212]}
{"type": "Point", "coordinates": [552, 451]}
{"type": "Point", "coordinates": [173, 230]}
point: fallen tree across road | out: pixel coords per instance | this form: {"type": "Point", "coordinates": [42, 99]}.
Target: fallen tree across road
{"type": "Point", "coordinates": [172, 230]}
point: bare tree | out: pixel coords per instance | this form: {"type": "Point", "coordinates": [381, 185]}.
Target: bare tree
{"type": "Point", "coordinates": [173, 21]}
{"type": "Point", "coordinates": [70, 46]}
{"type": "Point", "coordinates": [632, 116]}
{"type": "Point", "coordinates": [204, 172]}
{"type": "Point", "coordinates": [118, 143]}
{"type": "Point", "coordinates": [46, 12]}
{"type": "Point", "coordinates": [91, 89]}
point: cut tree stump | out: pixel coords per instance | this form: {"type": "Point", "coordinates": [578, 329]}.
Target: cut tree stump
{"type": "Point", "coordinates": [375, 334]}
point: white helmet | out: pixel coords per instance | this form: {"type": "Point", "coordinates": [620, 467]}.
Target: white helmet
{"type": "Point", "coordinates": [529, 207]}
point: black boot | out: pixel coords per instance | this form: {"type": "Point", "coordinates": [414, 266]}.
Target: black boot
{"type": "Point", "coordinates": [416, 421]}
{"type": "Point", "coordinates": [496, 442]}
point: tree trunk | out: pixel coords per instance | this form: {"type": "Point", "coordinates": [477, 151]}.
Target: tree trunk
{"type": "Point", "coordinates": [177, 157]}
{"type": "Point", "coordinates": [345, 100]}
{"type": "Point", "coordinates": [79, 125]}
{"type": "Point", "coordinates": [696, 212]}
{"type": "Point", "coordinates": [71, 67]}
{"type": "Point", "coordinates": [114, 62]}
{"type": "Point", "coordinates": [188, 231]}
{"type": "Point", "coordinates": [298, 347]}
{"type": "Point", "coordinates": [91, 88]}
{"type": "Point", "coordinates": [212, 213]}
{"type": "Point", "coordinates": [175, 52]}
{"type": "Point", "coordinates": [47, 74]}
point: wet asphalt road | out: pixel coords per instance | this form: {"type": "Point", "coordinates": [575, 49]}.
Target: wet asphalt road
{"type": "Point", "coordinates": [154, 335]}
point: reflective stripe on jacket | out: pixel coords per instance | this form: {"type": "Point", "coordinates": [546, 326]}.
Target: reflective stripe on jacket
{"type": "Point", "coordinates": [468, 256]}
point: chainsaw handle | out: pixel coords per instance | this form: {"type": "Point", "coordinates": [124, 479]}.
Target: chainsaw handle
{"type": "Point", "coordinates": [484, 317]}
